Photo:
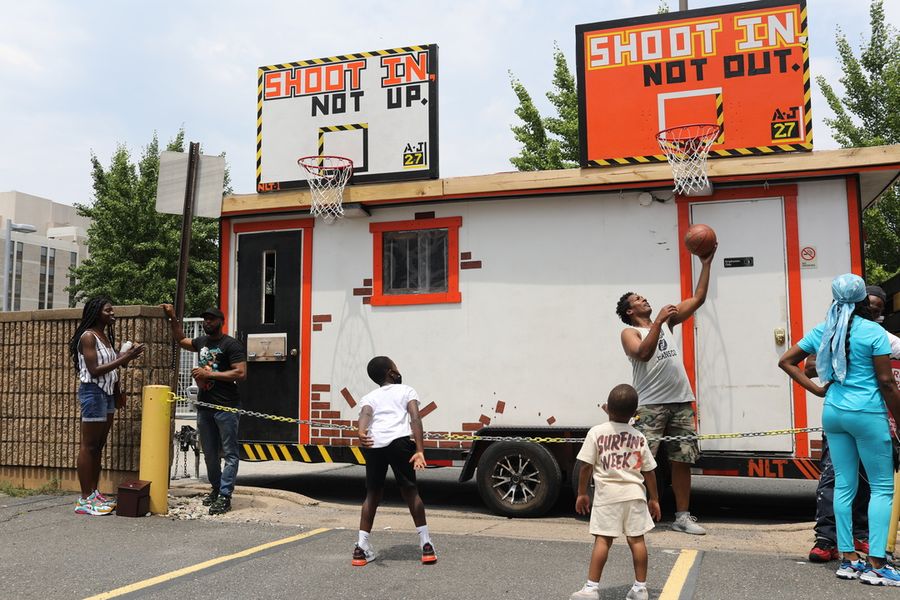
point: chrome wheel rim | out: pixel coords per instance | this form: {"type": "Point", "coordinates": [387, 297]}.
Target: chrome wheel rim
{"type": "Point", "coordinates": [515, 479]}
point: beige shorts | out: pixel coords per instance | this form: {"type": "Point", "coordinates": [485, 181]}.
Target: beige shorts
{"type": "Point", "coordinates": [631, 518]}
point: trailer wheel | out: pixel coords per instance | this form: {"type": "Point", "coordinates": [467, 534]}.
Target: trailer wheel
{"type": "Point", "coordinates": [518, 479]}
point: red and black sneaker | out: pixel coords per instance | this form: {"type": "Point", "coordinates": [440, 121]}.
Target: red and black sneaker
{"type": "Point", "coordinates": [362, 557]}
{"type": "Point", "coordinates": [861, 546]}
{"type": "Point", "coordinates": [823, 552]}
{"type": "Point", "coordinates": [428, 555]}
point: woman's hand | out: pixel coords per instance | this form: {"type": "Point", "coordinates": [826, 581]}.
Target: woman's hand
{"type": "Point", "coordinates": [821, 390]}
{"type": "Point", "coordinates": [132, 353]}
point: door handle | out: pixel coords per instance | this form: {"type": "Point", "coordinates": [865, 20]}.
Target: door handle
{"type": "Point", "coordinates": [293, 353]}
{"type": "Point", "coordinates": [780, 336]}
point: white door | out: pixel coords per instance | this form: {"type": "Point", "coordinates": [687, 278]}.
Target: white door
{"type": "Point", "coordinates": [739, 385]}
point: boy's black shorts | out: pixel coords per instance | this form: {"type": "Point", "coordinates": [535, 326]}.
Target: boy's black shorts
{"type": "Point", "coordinates": [397, 455]}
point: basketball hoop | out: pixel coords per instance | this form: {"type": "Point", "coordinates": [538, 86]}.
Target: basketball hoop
{"type": "Point", "coordinates": [686, 148]}
{"type": "Point", "coordinates": [327, 177]}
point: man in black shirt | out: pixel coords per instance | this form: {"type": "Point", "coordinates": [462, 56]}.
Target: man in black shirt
{"type": "Point", "coordinates": [222, 364]}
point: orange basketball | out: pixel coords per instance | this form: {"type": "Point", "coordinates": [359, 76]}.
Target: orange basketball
{"type": "Point", "coordinates": [700, 239]}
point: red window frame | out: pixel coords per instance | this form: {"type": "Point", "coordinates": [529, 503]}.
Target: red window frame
{"type": "Point", "coordinates": [452, 295]}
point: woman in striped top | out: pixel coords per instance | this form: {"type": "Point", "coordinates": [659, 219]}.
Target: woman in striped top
{"type": "Point", "coordinates": [96, 361]}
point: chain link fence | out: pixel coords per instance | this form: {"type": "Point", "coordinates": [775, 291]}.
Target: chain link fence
{"type": "Point", "coordinates": [187, 360]}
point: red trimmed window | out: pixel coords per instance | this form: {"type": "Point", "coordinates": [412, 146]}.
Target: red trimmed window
{"type": "Point", "coordinates": [416, 262]}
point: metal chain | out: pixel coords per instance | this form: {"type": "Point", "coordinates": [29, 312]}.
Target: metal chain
{"type": "Point", "coordinates": [496, 438]}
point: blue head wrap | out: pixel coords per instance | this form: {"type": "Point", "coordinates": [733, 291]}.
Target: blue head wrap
{"type": "Point", "coordinates": [831, 363]}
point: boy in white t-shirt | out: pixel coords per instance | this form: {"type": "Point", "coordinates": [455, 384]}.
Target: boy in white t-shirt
{"type": "Point", "coordinates": [622, 465]}
{"type": "Point", "coordinates": [387, 418]}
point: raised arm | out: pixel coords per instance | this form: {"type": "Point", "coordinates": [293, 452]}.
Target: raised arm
{"type": "Point", "coordinates": [688, 307]}
{"type": "Point", "coordinates": [175, 327]}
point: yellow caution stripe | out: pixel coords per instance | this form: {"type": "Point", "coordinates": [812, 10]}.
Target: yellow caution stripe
{"type": "Point", "coordinates": [308, 453]}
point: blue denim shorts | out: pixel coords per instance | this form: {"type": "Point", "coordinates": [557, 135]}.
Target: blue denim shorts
{"type": "Point", "coordinates": [95, 403]}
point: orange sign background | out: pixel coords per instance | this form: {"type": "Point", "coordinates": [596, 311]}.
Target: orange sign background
{"type": "Point", "coordinates": [743, 66]}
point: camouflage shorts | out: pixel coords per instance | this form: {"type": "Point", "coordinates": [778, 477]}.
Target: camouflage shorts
{"type": "Point", "coordinates": [657, 420]}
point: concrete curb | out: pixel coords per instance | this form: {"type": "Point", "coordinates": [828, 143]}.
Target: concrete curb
{"type": "Point", "coordinates": [193, 489]}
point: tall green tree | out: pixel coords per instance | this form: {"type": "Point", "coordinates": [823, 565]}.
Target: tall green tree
{"type": "Point", "coordinates": [134, 249]}
{"type": "Point", "coordinates": [868, 114]}
{"type": "Point", "coordinates": [539, 150]}
{"type": "Point", "coordinates": [564, 98]}
{"type": "Point", "coordinates": [548, 142]}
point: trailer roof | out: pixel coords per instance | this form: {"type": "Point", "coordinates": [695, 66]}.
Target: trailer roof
{"type": "Point", "coordinates": [877, 167]}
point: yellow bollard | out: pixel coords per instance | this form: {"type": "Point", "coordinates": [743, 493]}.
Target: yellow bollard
{"type": "Point", "coordinates": [155, 445]}
{"type": "Point", "coordinates": [895, 515]}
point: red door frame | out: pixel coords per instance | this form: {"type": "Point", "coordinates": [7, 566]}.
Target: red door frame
{"type": "Point", "coordinates": [788, 194]}
{"type": "Point", "coordinates": [231, 229]}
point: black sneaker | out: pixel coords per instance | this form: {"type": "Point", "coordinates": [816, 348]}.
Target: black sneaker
{"type": "Point", "coordinates": [221, 506]}
{"type": "Point", "coordinates": [210, 498]}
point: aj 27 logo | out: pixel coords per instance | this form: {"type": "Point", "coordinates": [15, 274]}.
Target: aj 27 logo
{"type": "Point", "coordinates": [415, 155]}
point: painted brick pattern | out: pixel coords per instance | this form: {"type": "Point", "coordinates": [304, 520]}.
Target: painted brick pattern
{"type": "Point", "coordinates": [466, 261]}
{"type": "Point", "coordinates": [327, 416]}
{"type": "Point", "coordinates": [365, 291]}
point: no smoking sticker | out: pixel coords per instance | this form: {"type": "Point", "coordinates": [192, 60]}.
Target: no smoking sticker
{"type": "Point", "coordinates": [809, 258]}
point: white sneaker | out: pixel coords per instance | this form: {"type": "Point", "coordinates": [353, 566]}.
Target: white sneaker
{"type": "Point", "coordinates": [686, 523]}
{"type": "Point", "coordinates": [638, 594]}
{"type": "Point", "coordinates": [586, 593]}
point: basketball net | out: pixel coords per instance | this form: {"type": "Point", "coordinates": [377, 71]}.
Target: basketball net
{"type": "Point", "coordinates": [686, 148]}
{"type": "Point", "coordinates": [327, 177]}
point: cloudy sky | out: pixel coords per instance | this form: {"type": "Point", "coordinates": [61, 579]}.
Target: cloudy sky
{"type": "Point", "coordinates": [82, 77]}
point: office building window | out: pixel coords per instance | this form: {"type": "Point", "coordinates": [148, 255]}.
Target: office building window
{"type": "Point", "coordinates": [42, 280]}
{"type": "Point", "coordinates": [17, 278]}
{"type": "Point", "coordinates": [73, 262]}
{"type": "Point", "coordinates": [51, 272]}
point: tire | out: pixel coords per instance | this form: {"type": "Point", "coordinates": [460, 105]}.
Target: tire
{"type": "Point", "coordinates": [518, 479]}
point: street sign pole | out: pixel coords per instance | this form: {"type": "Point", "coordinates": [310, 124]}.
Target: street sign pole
{"type": "Point", "coordinates": [186, 220]}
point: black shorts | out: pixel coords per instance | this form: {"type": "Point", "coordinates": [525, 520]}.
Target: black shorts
{"type": "Point", "coordinates": [397, 455]}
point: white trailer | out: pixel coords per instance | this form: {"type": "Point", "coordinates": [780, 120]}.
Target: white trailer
{"type": "Point", "coordinates": [495, 296]}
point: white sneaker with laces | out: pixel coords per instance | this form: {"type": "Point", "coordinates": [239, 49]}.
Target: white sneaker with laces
{"type": "Point", "coordinates": [687, 523]}
{"type": "Point", "coordinates": [638, 594]}
{"type": "Point", "coordinates": [586, 593]}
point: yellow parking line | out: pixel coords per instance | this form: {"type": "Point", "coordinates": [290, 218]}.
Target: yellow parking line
{"type": "Point", "coordinates": [140, 585]}
{"type": "Point", "coordinates": [678, 576]}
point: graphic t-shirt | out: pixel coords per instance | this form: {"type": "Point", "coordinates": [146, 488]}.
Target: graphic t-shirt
{"type": "Point", "coordinates": [859, 392]}
{"type": "Point", "coordinates": [662, 379]}
{"type": "Point", "coordinates": [219, 355]}
{"type": "Point", "coordinates": [390, 418]}
{"type": "Point", "coordinates": [620, 454]}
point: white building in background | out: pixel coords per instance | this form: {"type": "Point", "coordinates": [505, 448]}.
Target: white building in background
{"type": "Point", "coordinates": [40, 261]}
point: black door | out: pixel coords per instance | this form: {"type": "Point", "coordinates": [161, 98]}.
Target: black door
{"type": "Point", "coordinates": [268, 302]}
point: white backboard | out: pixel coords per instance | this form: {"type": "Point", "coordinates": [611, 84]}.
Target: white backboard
{"type": "Point", "coordinates": [378, 109]}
